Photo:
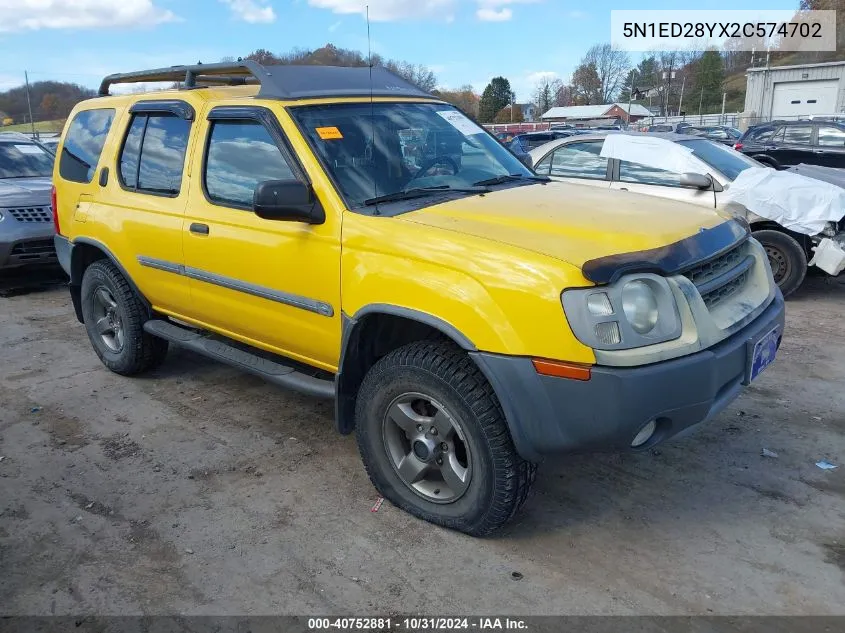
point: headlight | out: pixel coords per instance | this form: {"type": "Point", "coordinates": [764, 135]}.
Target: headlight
{"type": "Point", "coordinates": [635, 311]}
{"type": "Point", "coordinates": [640, 306]}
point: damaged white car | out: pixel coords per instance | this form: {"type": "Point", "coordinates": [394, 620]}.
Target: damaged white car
{"type": "Point", "coordinates": [798, 219]}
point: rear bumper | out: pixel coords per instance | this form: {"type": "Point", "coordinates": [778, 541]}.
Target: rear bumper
{"type": "Point", "coordinates": [550, 416]}
{"type": "Point", "coordinates": [26, 244]}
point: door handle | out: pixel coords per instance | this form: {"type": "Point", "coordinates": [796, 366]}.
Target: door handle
{"type": "Point", "coordinates": [199, 229]}
{"type": "Point", "coordinates": [623, 188]}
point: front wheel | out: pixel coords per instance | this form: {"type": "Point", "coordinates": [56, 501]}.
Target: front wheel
{"type": "Point", "coordinates": [434, 440]}
{"type": "Point", "coordinates": [786, 258]}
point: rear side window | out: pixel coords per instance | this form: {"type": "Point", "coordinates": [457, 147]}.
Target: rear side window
{"type": "Point", "coordinates": [84, 143]}
{"type": "Point", "coordinates": [578, 160]}
{"type": "Point", "coordinates": [798, 135]}
{"type": "Point", "coordinates": [153, 153]}
{"type": "Point", "coordinates": [240, 155]}
{"type": "Point", "coordinates": [761, 135]}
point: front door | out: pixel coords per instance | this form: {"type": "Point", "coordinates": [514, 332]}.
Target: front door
{"type": "Point", "coordinates": [270, 283]}
{"type": "Point", "coordinates": [659, 182]}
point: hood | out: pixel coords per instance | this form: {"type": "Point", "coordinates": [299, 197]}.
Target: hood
{"type": "Point", "coordinates": [573, 223]}
{"type": "Point", "coordinates": [21, 192]}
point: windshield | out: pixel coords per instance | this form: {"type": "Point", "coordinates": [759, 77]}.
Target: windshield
{"type": "Point", "coordinates": [372, 150]}
{"type": "Point", "coordinates": [722, 158]}
{"type": "Point", "coordinates": [24, 160]}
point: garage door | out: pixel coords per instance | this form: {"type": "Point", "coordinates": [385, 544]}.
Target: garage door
{"type": "Point", "coordinates": [795, 98]}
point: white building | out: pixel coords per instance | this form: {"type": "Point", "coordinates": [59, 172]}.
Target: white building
{"type": "Point", "coordinates": [784, 92]}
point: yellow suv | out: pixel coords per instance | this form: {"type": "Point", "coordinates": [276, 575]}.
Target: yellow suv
{"type": "Point", "coordinates": [339, 232]}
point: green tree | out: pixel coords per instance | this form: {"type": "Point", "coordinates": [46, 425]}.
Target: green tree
{"type": "Point", "coordinates": [642, 77]}
{"type": "Point", "coordinates": [709, 75]}
{"type": "Point", "coordinates": [586, 85]}
{"type": "Point", "coordinates": [496, 96]}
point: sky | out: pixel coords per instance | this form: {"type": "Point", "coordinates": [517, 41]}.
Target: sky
{"type": "Point", "coordinates": [462, 41]}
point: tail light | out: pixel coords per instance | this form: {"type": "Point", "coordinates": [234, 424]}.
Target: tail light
{"type": "Point", "coordinates": [55, 210]}
{"type": "Point", "coordinates": [737, 146]}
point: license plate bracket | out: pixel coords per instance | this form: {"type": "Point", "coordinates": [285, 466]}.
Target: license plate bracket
{"type": "Point", "coordinates": [761, 353]}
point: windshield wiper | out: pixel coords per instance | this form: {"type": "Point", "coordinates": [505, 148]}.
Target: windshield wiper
{"type": "Point", "coordinates": [498, 180]}
{"type": "Point", "coordinates": [419, 192]}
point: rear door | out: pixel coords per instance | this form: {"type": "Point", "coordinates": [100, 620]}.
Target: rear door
{"type": "Point", "coordinates": [796, 146]}
{"type": "Point", "coordinates": [830, 146]}
{"type": "Point", "coordinates": [577, 162]}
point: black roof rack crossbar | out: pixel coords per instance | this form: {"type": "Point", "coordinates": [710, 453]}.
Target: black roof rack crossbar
{"type": "Point", "coordinates": [231, 73]}
{"type": "Point", "coordinates": [289, 82]}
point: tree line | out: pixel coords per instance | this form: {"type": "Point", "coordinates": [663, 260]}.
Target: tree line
{"type": "Point", "coordinates": [50, 100]}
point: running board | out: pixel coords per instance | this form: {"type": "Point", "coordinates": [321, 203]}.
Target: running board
{"type": "Point", "coordinates": [213, 348]}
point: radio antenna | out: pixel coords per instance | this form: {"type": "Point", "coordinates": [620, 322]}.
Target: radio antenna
{"type": "Point", "coordinates": [372, 114]}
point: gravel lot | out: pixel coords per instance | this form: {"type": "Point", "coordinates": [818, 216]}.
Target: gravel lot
{"type": "Point", "coordinates": [200, 490]}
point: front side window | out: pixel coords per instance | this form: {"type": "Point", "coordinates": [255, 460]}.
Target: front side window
{"type": "Point", "coordinates": [153, 153]}
{"type": "Point", "coordinates": [84, 143]}
{"type": "Point", "coordinates": [579, 160]}
{"type": "Point", "coordinates": [798, 135]}
{"type": "Point", "coordinates": [763, 135]}
{"type": "Point", "coordinates": [831, 137]}
{"type": "Point", "coordinates": [379, 149]}
{"type": "Point", "coordinates": [645, 175]}
{"type": "Point", "coordinates": [22, 159]}
{"type": "Point", "coordinates": [240, 155]}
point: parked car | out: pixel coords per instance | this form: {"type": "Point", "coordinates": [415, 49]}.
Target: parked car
{"type": "Point", "coordinates": [26, 217]}
{"type": "Point", "coordinates": [718, 133]}
{"type": "Point", "coordinates": [783, 143]}
{"type": "Point", "coordinates": [715, 167]}
{"type": "Point", "coordinates": [522, 143]}
{"type": "Point", "coordinates": [667, 127]}
{"type": "Point", "coordinates": [504, 137]}
{"type": "Point", "coordinates": [467, 317]}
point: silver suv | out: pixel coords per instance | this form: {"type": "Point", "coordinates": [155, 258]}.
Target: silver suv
{"type": "Point", "coordinates": [26, 216]}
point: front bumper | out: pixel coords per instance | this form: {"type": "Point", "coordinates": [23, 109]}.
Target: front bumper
{"type": "Point", "coordinates": [26, 244]}
{"type": "Point", "coordinates": [549, 416]}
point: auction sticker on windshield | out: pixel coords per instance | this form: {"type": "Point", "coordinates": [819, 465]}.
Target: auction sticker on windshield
{"type": "Point", "coordinates": [460, 122]}
{"type": "Point", "coordinates": [328, 133]}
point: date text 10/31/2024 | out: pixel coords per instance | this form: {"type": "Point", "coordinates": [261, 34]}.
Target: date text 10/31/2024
{"type": "Point", "coordinates": [416, 624]}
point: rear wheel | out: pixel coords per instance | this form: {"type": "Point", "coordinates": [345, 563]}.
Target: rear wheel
{"type": "Point", "coordinates": [114, 318]}
{"type": "Point", "coordinates": [786, 258]}
{"type": "Point", "coordinates": [434, 440]}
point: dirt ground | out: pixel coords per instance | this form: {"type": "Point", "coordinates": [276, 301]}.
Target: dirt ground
{"type": "Point", "coordinates": [201, 490]}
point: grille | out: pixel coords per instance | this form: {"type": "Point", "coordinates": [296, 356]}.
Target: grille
{"type": "Point", "coordinates": [32, 214]}
{"type": "Point", "coordinates": [721, 277]}
{"type": "Point", "coordinates": [33, 248]}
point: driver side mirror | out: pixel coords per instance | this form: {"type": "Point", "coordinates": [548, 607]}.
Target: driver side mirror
{"type": "Point", "coordinates": [527, 161]}
{"type": "Point", "coordinates": [289, 200]}
{"type": "Point", "coordinates": [697, 181]}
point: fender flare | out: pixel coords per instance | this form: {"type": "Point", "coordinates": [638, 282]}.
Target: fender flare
{"type": "Point", "coordinates": [77, 271]}
{"type": "Point", "coordinates": [348, 378]}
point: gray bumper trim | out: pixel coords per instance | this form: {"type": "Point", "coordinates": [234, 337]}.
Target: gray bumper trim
{"type": "Point", "coordinates": [549, 416]}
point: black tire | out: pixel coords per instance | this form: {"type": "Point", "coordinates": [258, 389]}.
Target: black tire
{"type": "Point", "coordinates": [786, 257]}
{"type": "Point", "coordinates": [137, 351]}
{"type": "Point", "coordinates": [500, 479]}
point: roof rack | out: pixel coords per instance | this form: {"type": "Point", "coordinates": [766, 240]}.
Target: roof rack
{"type": "Point", "coordinates": [289, 82]}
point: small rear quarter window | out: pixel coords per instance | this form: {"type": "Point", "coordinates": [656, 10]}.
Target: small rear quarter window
{"type": "Point", "coordinates": [83, 144]}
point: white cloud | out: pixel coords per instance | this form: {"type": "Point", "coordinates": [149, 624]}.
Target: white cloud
{"type": "Point", "coordinates": [391, 10]}
{"type": "Point", "coordinates": [32, 15]}
{"type": "Point", "coordinates": [498, 10]}
{"type": "Point", "coordinates": [539, 75]}
{"type": "Point", "coordinates": [334, 27]}
{"type": "Point", "coordinates": [252, 11]}
{"type": "Point", "coordinates": [488, 14]}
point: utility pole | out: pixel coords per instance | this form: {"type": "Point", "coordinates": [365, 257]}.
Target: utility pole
{"type": "Point", "coordinates": [722, 118]}
{"type": "Point", "coordinates": [28, 102]}
{"type": "Point", "coordinates": [681, 100]}
{"type": "Point", "coordinates": [630, 96]}
{"type": "Point", "coordinates": [700, 101]}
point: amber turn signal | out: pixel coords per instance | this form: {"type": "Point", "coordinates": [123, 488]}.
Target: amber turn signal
{"type": "Point", "coordinates": [558, 369]}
